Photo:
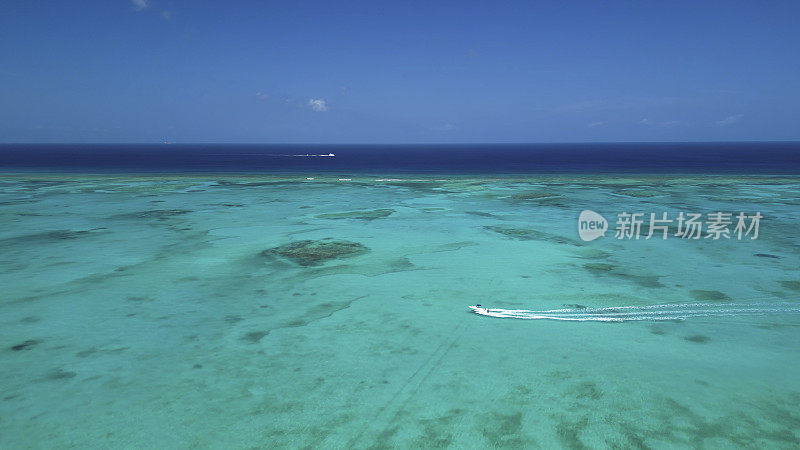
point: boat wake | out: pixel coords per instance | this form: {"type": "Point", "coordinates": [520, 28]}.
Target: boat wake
{"type": "Point", "coordinates": [677, 311]}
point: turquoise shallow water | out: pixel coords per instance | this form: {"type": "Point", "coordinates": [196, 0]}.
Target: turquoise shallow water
{"type": "Point", "coordinates": [255, 311]}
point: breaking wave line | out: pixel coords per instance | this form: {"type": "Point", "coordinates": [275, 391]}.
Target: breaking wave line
{"type": "Point", "coordinates": [675, 311]}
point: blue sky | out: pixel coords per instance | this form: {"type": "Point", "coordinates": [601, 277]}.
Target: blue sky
{"type": "Point", "coordinates": [398, 72]}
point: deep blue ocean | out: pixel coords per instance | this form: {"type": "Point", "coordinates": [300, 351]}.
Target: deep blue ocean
{"type": "Point", "coordinates": [751, 157]}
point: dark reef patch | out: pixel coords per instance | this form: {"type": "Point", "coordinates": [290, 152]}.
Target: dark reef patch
{"type": "Point", "coordinates": [361, 215]}
{"type": "Point", "coordinates": [65, 234]}
{"type": "Point", "coordinates": [480, 213]}
{"type": "Point", "coordinates": [320, 311]}
{"type": "Point", "coordinates": [85, 353]}
{"type": "Point", "coordinates": [639, 193]}
{"type": "Point", "coordinates": [59, 374]}
{"type": "Point", "coordinates": [767, 255]}
{"type": "Point", "coordinates": [401, 264]}
{"type": "Point", "coordinates": [648, 281]}
{"type": "Point", "coordinates": [436, 433]}
{"type": "Point", "coordinates": [529, 234]}
{"type": "Point", "coordinates": [159, 214]}
{"type": "Point", "coordinates": [590, 253]}
{"type": "Point", "coordinates": [709, 296]}
{"type": "Point", "coordinates": [758, 424]}
{"type": "Point", "coordinates": [539, 198]}
{"type": "Point", "coordinates": [793, 285]}
{"type": "Point", "coordinates": [452, 246]}
{"type": "Point", "coordinates": [27, 345]}
{"type": "Point", "coordinates": [46, 237]}
{"type": "Point", "coordinates": [17, 202]}
{"type": "Point", "coordinates": [599, 268]}
{"type": "Point", "coordinates": [315, 253]}
{"type": "Point", "coordinates": [604, 269]}
{"type": "Point", "coordinates": [254, 336]}
{"type": "Point", "coordinates": [697, 338]}
{"type": "Point", "coordinates": [588, 389]}
{"type": "Point", "coordinates": [569, 432]}
{"type": "Point", "coordinates": [505, 431]}
{"type": "Point", "coordinates": [532, 195]}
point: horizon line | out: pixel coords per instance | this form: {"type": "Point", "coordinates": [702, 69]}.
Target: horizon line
{"type": "Point", "coordinates": [411, 143]}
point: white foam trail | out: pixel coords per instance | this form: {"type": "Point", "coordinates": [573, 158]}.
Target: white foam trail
{"type": "Point", "coordinates": [672, 311]}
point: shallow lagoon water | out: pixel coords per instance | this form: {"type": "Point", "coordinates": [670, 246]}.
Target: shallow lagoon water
{"type": "Point", "coordinates": [264, 311]}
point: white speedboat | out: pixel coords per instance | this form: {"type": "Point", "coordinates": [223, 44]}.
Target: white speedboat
{"type": "Point", "coordinates": [478, 309]}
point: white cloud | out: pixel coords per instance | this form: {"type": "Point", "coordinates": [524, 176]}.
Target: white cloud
{"type": "Point", "coordinates": [262, 96]}
{"type": "Point", "coordinates": [653, 123]}
{"type": "Point", "coordinates": [445, 127]}
{"type": "Point", "coordinates": [596, 124]}
{"type": "Point", "coordinates": [730, 120]}
{"type": "Point", "coordinates": [318, 104]}
{"type": "Point", "coordinates": [472, 53]}
{"type": "Point", "coordinates": [139, 5]}
{"type": "Point", "coordinates": [589, 105]}
{"type": "Point", "coordinates": [166, 15]}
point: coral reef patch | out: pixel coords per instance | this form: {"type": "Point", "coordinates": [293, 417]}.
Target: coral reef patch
{"type": "Point", "coordinates": [362, 215]}
{"type": "Point", "coordinates": [315, 253]}
{"type": "Point", "coordinates": [530, 234]}
{"type": "Point", "coordinates": [709, 296]}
